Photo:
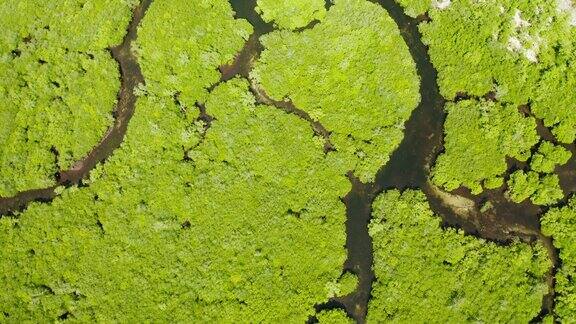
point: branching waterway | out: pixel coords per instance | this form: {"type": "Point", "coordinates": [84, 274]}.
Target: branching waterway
{"type": "Point", "coordinates": [409, 165]}
{"type": "Point", "coordinates": [131, 77]}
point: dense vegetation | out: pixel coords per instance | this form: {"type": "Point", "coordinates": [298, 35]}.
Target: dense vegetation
{"type": "Point", "coordinates": [218, 208]}
{"type": "Point", "coordinates": [334, 316]}
{"type": "Point", "coordinates": [479, 137]}
{"type": "Point", "coordinates": [291, 14]}
{"type": "Point", "coordinates": [58, 86]}
{"type": "Point", "coordinates": [520, 51]}
{"type": "Point", "coordinates": [560, 223]}
{"type": "Point", "coordinates": [175, 66]}
{"type": "Point", "coordinates": [541, 189]}
{"type": "Point", "coordinates": [427, 274]}
{"type": "Point", "coordinates": [539, 184]}
{"type": "Point", "coordinates": [236, 221]}
{"type": "Point", "coordinates": [523, 50]}
{"type": "Point", "coordinates": [415, 8]}
{"type": "Point", "coordinates": [361, 82]}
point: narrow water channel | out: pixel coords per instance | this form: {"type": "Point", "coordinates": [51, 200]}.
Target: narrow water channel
{"type": "Point", "coordinates": [131, 76]}
{"type": "Point", "coordinates": [408, 167]}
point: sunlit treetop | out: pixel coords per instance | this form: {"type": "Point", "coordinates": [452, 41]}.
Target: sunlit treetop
{"type": "Point", "coordinates": [181, 42]}
{"type": "Point", "coordinates": [548, 157]}
{"type": "Point", "coordinates": [353, 73]}
{"type": "Point", "coordinates": [79, 25]}
{"type": "Point", "coordinates": [542, 189]}
{"type": "Point", "coordinates": [479, 136]}
{"type": "Point", "coordinates": [291, 14]}
{"type": "Point", "coordinates": [58, 87]}
{"type": "Point", "coordinates": [522, 50]}
{"type": "Point", "coordinates": [333, 316]}
{"type": "Point", "coordinates": [415, 8]}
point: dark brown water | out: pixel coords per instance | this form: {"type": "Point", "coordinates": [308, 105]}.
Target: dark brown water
{"type": "Point", "coordinates": [243, 63]}
{"type": "Point", "coordinates": [409, 166]}
{"type": "Point", "coordinates": [131, 76]}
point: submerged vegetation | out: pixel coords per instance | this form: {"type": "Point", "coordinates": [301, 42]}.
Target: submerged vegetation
{"type": "Point", "coordinates": [252, 141]}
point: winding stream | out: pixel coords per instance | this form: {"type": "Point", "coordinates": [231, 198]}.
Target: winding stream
{"type": "Point", "coordinates": [409, 165]}
{"type": "Point", "coordinates": [131, 77]}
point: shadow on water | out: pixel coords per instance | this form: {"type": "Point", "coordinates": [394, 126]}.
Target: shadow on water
{"type": "Point", "coordinates": [131, 76]}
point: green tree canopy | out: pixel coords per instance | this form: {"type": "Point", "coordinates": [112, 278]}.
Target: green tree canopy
{"type": "Point", "coordinates": [426, 274]}
{"type": "Point", "coordinates": [560, 223]}
{"type": "Point", "coordinates": [58, 87]}
{"type": "Point", "coordinates": [523, 50]}
{"type": "Point", "coordinates": [291, 14]}
{"type": "Point", "coordinates": [479, 135]}
{"type": "Point", "coordinates": [360, 81]}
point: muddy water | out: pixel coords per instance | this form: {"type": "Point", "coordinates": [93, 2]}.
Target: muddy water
{"type": "Point", "coordinates": [131, 76]}
{"type": "Point", "coordinates": [408, 166]}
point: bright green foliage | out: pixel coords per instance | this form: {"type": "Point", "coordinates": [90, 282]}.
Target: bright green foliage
{"type": "Point", "coordinates": [560, 223]}
{"type": "Point", "coordinates": [548, 157]}
{"type": "Point", "coordinates": [479, 137]}
{"type": "Point", "coordinates": [538, 184]}
{"type": "Point", "coordinates": [58, 87]}
{"type": "Point", "coordinates": [414, 8]}
{"type": "Point", "coordinates": [522, 49]}
{"type": "Point", "coordinates": [343, 286]}
{"type": "Point", "coordinates": [548, 191]}
{"type": "Point", "coordinates": [425, 274]}
{"type": "Point", "coordinates": [333, 316]}
{"type": "Point", "coordinates": [180, 43]}
{"type": "Point", "coordinates": [353, 73]}
{"type": "Point", "coordinates": [240, 221]}
{"type": "Point", "coordinates": [542, 189]}
{"type": "Point", "coordinates": [522, 185]}
{"type": "Point", "coordinates": [349, 283]}
{"type": "Point", "coordinates": [252, 227]}
{"type": "Point", "coordinates": [291, 14]}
